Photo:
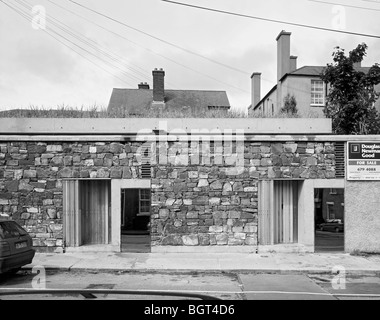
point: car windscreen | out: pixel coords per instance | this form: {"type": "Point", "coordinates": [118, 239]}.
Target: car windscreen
{"type": "Point", "coordinates": [10, 229]}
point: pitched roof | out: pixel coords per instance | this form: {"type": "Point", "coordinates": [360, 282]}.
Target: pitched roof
{"type": "Point", "coordinates": [134, 100]}
{"type": "Point", "coordinates": [305, 71]}
{"type": "Point", "coordinates": [308, 71]}
{"type": "Point", "coordinates": [317, 70]}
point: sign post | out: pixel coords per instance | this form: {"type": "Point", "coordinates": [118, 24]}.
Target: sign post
{"type": "Point", "coordinates": [363, 161]}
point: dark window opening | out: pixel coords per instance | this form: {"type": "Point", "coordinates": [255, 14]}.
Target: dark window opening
{"type": "Point", "coordinates": [329, 219]}
{"type": "Point", "coordinates": [135, 220]}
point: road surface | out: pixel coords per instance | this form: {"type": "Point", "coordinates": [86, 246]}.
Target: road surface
{"type": "Point", "coordinates": [226, 286]}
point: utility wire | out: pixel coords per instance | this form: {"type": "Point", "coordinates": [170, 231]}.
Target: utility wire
{"type": "Point", "coordinates": [85, 41]}
{"type": "Point", "coordinates": [180, 64]}
{"type": "Point", "coordinates": [271, 20]}
{"type": "Point", "coordinates": [345, 5]}
{"type": "Point", "coordinates": [28, 18]}
{"type": "Point", "coordinates": [159, 39]}
{"type": "Point", "coordinates": [116, 34]}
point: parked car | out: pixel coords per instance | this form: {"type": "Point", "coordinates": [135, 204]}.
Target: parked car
{"type": "Point", "coordinates": [334, 225]}
{"type": "Point", "coordinates": [16, 246]}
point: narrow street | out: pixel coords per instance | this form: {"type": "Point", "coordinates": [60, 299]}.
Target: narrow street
{"type": "Point", "coordinates": [225, 286]}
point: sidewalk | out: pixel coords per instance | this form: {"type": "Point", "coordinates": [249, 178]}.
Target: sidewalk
{"type": "Point", "coordinates": [287, 263]}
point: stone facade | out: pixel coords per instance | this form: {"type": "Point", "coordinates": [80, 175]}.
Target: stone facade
{"type": "Point", "coordinates": [198, 204]}
{"type": "Point", "coordinates": [215, 204]}
{"type": "Point", "coordinates": [31, 180]}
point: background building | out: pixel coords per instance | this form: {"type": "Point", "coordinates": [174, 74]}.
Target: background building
{"type": "Point", "coordinates": [303, 83]}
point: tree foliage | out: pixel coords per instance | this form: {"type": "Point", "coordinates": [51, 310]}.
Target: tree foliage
{"type": "Point", "coordinates": [351, 97]}
{"type": "Point", "coordinates": [290, 105]}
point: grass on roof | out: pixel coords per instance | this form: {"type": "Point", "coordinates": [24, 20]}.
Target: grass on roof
{"type": "Point", "coordinates": [101, 112]}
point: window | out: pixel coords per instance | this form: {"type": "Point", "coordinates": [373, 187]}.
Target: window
{"type": "Point", "coordinates": [10, 229]}
{"type": "Point", "coordinates": [217, 108]}
{"type": "Point", "coordinates": [330, 210]}
{"type": "Point", "coordinates": [144, 201]}
{"type": "Point", "coordinates": [317, 93]}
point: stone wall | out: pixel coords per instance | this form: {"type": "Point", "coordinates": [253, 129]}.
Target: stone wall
{"type": "Point", "coordinates": [198, 204]}
{"type": "Point", "coordinates": [31, 180]}
{"type": "Point", "coordinates": [215, 204]}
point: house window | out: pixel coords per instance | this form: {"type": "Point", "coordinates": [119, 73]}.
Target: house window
{"type": "Point", "coordinates": [218, 108]}
{"type": "Point", "coordinates": [330, 210]}
{"type": "Point", "coordinates": [317, 93]}
{"type": "Point", "coordinates": [135, 210]}
{"type": "Point", "coordinates": [144, 202]}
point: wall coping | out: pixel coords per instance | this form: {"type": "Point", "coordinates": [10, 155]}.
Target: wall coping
{"type": "Point", "coordinates": [132, 138]}
{"type": "Point", "coordinates": [113, 126]}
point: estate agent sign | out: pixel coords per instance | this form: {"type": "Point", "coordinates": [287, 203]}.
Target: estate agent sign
{"type": "Point", "coordinates": [363, 161]}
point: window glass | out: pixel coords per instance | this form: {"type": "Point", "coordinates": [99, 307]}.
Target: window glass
{"type": "Point", "coordinates": [317, 93]}
{"type": "Point", "coordinates": [144, 200]}
{"type": "Point", "coordinates": [9, 229]}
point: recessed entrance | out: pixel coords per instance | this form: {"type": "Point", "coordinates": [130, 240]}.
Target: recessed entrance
{"type": "Point", "coordinates": [135, 220]}
{"type": "Point", "coordinates": [86, 212]}
{"type": "Point", "coordinates": [278, 212]}
{"type": "Point", "coordinates": [329, 219]}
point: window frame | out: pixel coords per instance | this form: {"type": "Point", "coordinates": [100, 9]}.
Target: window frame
{"type": "Point", "coordinates": [330, 205]}
{"type": "Point", "coordinates": [313, 102]}
{"type": "Point", "coordinates": [144, 200]}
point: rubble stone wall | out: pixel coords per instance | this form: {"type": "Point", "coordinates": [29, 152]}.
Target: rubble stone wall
{"type": "Point", "coordinates": [201, 203]}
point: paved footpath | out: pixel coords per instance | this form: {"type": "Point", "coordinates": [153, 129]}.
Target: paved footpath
{"type": "Point", "coordinates": [316, 263]}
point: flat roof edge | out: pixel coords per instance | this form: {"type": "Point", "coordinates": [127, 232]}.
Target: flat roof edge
{"type": "Point", "coordinates": [127, 126]}
{"type": "Point", "coordinates": [174, 137]}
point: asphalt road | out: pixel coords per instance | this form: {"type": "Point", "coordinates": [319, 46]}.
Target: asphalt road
{"type": "Point", "coordinates": [226, 286]}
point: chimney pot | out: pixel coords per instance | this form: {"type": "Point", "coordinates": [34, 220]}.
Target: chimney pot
{"type": "Point", "coordinates": [143, 85]}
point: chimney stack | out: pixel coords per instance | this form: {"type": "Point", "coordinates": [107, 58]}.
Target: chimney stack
{"type": "Point", "coordinates": [293, 63]}
{"type": "Point", "coordinates": [143, 85]}
{"type": "Point", "coordinates": [358, 64]}
{"type": "Point", "coordinates": [283, 54]}
{"type": "Point", "coordinates": [256, 88]}
{"type": "Point", "coordinates": [158, 86]}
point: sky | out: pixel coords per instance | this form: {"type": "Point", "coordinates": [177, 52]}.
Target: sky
{"type": "Point", "coordinates": [198, 49]}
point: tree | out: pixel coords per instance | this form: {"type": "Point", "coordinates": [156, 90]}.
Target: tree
{"type": "Point", "coordinates": [351, 97]}
{"type": "Point", "coordinates": [290, 105]}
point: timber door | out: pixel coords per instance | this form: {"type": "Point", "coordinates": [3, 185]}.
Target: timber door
{"type": "Point", "coordinates": [278, 212]}
{"type": "Point", "coordinates": [86, 212]}
{"type": "Point", "coordinates": [94, 199]}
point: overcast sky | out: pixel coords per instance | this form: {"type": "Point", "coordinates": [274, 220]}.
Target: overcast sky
{"type": "Point", "coordinates": [36, 69]}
